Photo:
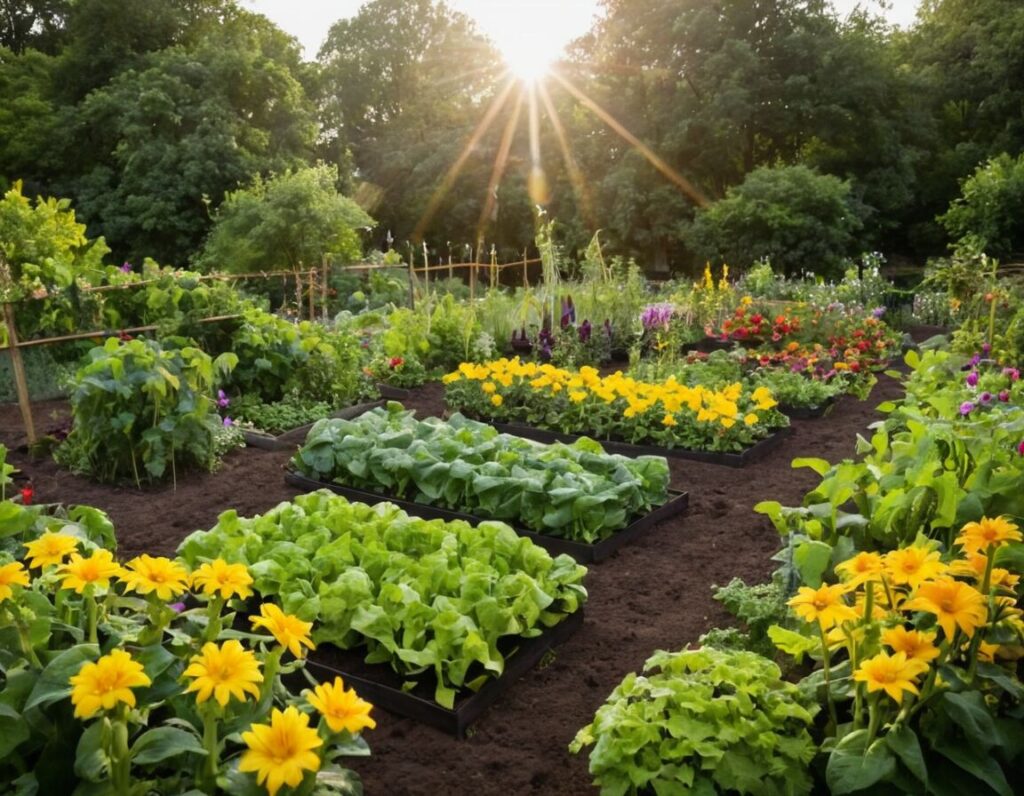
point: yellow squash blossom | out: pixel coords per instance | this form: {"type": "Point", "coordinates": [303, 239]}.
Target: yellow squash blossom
{"type": "Point", "coordinates": [96, 570]}
{"type": "Point", "coordinates": [12, 574]}
{"type": "Point", "coordinates": [224, 672]}
{"type": "Point", "coordinates": [341, 709]}
{"type": "Point", "coordinates": [158, 575]}
{"type": "Point", "coordinates": [893, 674]}
{"type": "Point", "coordinates": [915, 644]}
{"type": "Point", "coordinates": [106, 683]}
{"type": "Point", "coordinates": [912, 566]}
{"type": "Point", "coordinates": [280, 753]}
{"type": "Point", "coordinates": [823, 605]}
{"type": "Point", "coordinates": [860, 569]}
{"type": "Point", "coordinates": [50, 548]}
{"type": "Point", "coordinates": [979, 536]}
{"type": "Point", "coordinates": [221, 578]}
{"type": "Point", "coordinates": [289, 631]}
{"type": "Point", "coordinates": [954, 603]}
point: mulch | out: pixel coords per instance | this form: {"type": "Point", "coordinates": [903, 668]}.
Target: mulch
{"type": "Point", "coordinates": [652, 595]}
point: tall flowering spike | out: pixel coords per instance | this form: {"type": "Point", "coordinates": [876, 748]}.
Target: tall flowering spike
{"type": "Point", "coordinates": [106, 683]}
{"type": "Point", "coordinates": [12, 574]}
{"type": "Point", "coordinates": [146, 574]}
{"type": "Point", "coordinates": [224, 672]}
{"type": "Point", "coordinates": [341, 709]}
{"type": "Point", "coordinates": [219, 578]}
{"type": "Point", "coordinates": [954, 603]}
{"type": "Point", "coordinates": [979, 536]}
{"type": "Point", "coordinates": [894, 674]}
{"type": "Point", "coordinates": [280, 753]}
{"type": "Point", "coordinates": [50, 548]}
{"type": "Point", "coordinates": [289, 631]}
{"type": "Point", "coordinates": [823, 605]}
{"type": "Point", "coordinates": [96, 570]}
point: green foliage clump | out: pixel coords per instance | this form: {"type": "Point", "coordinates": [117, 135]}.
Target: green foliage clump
{"type": "Point", "coordinates": [757, 608]}
{"type": "Point", "coordinates": [291, 220]}
{"type": "Point", "coordinates": [990, 208]}
{"type": "Point", "coordinates": [420, 595]}
{"type": "Point", "coordinates": [702, 721]}
{"type": "Point", "coordinates": [792, 215]}
{"type": "Point", "coordinates": [143, 412]}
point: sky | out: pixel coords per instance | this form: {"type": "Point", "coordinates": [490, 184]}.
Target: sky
{"type": "Point", "coordinates": [527, 30]}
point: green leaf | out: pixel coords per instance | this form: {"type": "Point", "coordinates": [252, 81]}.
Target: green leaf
{"type": "Point", "coordinates": [13, 730]}
{"type": "Point", "coordinates": [904, 743]}
{"type": "Point", "coordinates": [163, 743]}
{"type": "Point", "coordinates": [820, 466]}
{"type": "Point", "coordinates": [53, 684]}
{"type": "Point", "coordinates": [811, 559]}
{"type": "Point", "coordinates": [91, 761]}
{"type": "Point", "coordinates": [853, 766]}
{"type": "Point", "coordinates": [793, 643]}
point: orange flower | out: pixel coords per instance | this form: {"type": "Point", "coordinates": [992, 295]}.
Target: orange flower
{"type": "Point", "coordinates": [912, 566]}
{"type": "Point", "coordinates": [823, 605]}
{"type": "Point", "coordinates": [954, 603]}
{"type": "Point", "coordinates": [914, 643]}
{"type": "Point", "coordinates": [981, 535]}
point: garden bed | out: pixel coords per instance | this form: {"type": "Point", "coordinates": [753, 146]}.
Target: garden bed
{"type": "Point", "coordinates": [392, 393]}
{"type": "Point", "coordinates": [709, 344]}
{"type": "Point", "coordinates": [729, 459]}
{"type": "Point", "coordinates": [295, 436]}
{"type": "Point", "coordinates": [810, 412]}
{"type": "Point", "coordinates": [582, 552]}
{"type": "Point", "coordinates": [383, 687]}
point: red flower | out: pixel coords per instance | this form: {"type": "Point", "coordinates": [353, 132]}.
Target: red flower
{"type": "Point", "coordinates": [26, 495]}
{"type": "Point", "coordinates": [395, 362]}
{"type": "Point", "coordinates": [756, 318]}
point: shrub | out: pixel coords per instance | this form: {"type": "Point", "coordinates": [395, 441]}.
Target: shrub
{"type": "Point", "coordinates": [702, 721]}
{"type": "Point", "coordinates": [990, 208]}
{"type": "Point", "coordinates": [790, 215]}
{"type": "Point", "coordinates": [140, 411]}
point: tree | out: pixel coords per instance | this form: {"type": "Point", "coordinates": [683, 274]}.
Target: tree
{"type": "Point", "coordinates": [990, 208]}
{"type": "Point", "coordinates": [36, 24]}
{"type": "Point", "coordinates": [292, 220]}
{"type": "Point", "coordinates": [791, 215]}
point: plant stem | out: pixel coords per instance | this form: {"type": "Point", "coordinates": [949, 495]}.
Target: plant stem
{"type": "Point", "coordinates": [875, 720]}
{"type": "Point", "coordinates": [827, 672]}
{"type": "Point", "coordinates": [211, 764]}
{"type": "Point", "coordinates": [90, 618]}
{"type": "Point", "coordinates": [120, 757]}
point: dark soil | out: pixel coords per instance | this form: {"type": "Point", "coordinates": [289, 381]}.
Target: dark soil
{"type": "Point", "coordinates": [653, 595]}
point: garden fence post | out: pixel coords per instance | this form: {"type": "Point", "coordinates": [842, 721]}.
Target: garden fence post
{"type": "Point", "coordinates": [312, 294]}
{"type": "Point", "coordinates": [20, 383]}
{"type": "Point", "coordinates": [526, 279]}
{"type": "Point", "coordinates": [323, 289]}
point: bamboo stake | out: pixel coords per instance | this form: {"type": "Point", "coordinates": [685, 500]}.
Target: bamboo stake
{"type": "Point", "coordinates": [298, 294]}
{"type": "Point", "coordinates": [20, 382]}
{"type": "Point", "coordinates": [323, 289]}
{"type": "Point", "coordinates": [312, 294]}
{"type": "Point", "coordinates": [67, 338]}
{"type": "Point", "coordinates": [526, 278]}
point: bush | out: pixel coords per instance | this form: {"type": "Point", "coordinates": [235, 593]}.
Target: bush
{"type": "Point", "coordinates": [790, 215]}
{"type": "Point", "coordinates": [140, 411]}
{"type": "Point", "coordinates": [702, 721]}
{"type": "Point", "coordinates": [990, 208]}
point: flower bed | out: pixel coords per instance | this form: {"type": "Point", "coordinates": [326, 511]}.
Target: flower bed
{"type": "Point", "coordinates": [574, 491]}
{"type": "Point", "coordinates": [616, 407]}
{"type": "Point", "coordinates": [422, 596]}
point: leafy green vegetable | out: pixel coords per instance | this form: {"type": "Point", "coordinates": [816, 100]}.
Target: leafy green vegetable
{"type": "Point", "coordinates": [419, 595]}
{"type": "Point", "coordinates": [577, 491]}
{"type": "Point", "coordinates": [702, 721]}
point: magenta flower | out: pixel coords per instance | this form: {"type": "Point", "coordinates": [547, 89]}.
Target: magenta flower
{"type": "Point", "coordinates": [985, 348]}
{"type": "Point", "coordinates": [1020, 448]}
{"type": "Point", "coordinates": [1013, 373]}
{"type": "Point", "coordinates": [986, 397]}
{"type": "Point", "coordinates": [222, 399]}
{"type": "Point", "coordinates": [126, 267]}
{"type": "Point", "coordinates": [228, 422]}
{"type": "Point", "coordinates": [972, 379]}
{"type": "Point", "coordinates": [966, 408]}
{"type": "Point", "coordinates": [177, 607]}
{"type": "Point", "coordinates": [1004, 396]}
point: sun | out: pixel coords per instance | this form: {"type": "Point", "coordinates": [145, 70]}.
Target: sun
{"type": "Point", "coordinates": [527, 64]}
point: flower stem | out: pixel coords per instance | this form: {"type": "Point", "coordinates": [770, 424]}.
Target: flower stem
{"type": "Point", "coordinates": [90, 619]}
{"type": "Point", "coordinates": [120, 757]}
{"type": "Point", "coordinates": [211, 764]}
{"type": "Point", "coordinates": [827, 672]}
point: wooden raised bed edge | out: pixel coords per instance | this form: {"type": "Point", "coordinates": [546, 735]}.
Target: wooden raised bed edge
{"type": "Point", "coordinates": [581, 551]}
{"type": "Point", "coordinates": [393, 393]}
{"type": "Point", "coordinates": [295, 436]}
{"type": "Point", "coordinates": [810, 412]}
{"type": "Point", "coordinates": [469, 706]}
{"type": "Point", "coordinates": [742, 459]}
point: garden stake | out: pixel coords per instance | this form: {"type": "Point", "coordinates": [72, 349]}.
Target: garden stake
{"type": "Point", "coordinates": [20, 383]}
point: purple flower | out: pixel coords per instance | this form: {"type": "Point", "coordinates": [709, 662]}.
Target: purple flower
{"type": "Point", "coordinates": [878, 312]}
{"type": "Point", "coordinates": [177, 607]}
{"type": "Point", "coordinates": [975, 360]}
{"type": "Point", "coordinates": [1013, 373]}
{"type": "Point", "coordinates": [966, 408]}
{"type": "Point", "coordinates": [972, 379]}
{"type": "Point", "coordinates": [228, 422]}
{"type": "Point", "coordinates": [126, 267]}
{"type": "Point", "coordinates": [568, 312]}
{"type": "Point", "coordinates": [222, 399]}
{"type": "Point", "coordinates": [657, 316]}
{"type": "Point", "coordinates": [986, 397]}
{"type": "Point", "coordinates": [985, 348]}
{"type": "Point", "coordinates": [585, 331]}
{"type": "Point", "coordinates": [1004, 396]}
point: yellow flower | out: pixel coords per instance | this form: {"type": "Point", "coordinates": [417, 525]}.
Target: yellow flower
{"type": "Point", "coordinates": [912, 566]}
{"type": "Point", "coordinates": [915, 644]}
{"type": "Point", "coordinates": [281, 752]}
{"type": "Point", "coordinates": [669, 421]}
{"type": "Point", "coordinates": [750, 419]}
{"type": "Point", "coordinates": [973, 565]}
{"type": "Point", "coordinates": [823, 605]}
{"type": "Point", "coordinates": [450, 378]}
{"type": "Point", "coordinates": [577, 396]}
{"type": "Point", "coordinates": [224, 672]}
{"type": "Point", "coordinates": [954, 603]}
{"type": "Point", "coordinates": [50, 548]}
{"type": "Point", "coordinates": [763, 397]}
{"type": "Point", "coordinates": [893, 674]}
{"type": "Point", "coordinates": [488, 387]}
{"type": "Point", "coordinates": [290, 631]}
{"type": "Point", "coordinates": [497, 400]}
{"type": "Point", "coordinates": [220, 577]}
{"type": "Point", "coordinates": [12, 574]}
{"type": "Point", "coordinates": [97, 570]}
{"type": "Point", "coordinates": [343, 710]}
{"type": "Point", "coordinates": [979, 536]}
{"type": "Point", "coordinates": [105, 683]}
{"type": "Point", "coordinates": [159, 575]}
{"type": "Point", "coordinates": [727, 422]}
{"type": "Point", "coordinates": [860, 569]}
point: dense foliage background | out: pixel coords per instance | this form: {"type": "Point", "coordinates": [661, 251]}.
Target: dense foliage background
{"type": "Point", "coordinates": [149, 114]}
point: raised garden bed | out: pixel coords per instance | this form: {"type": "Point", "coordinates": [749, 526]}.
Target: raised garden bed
{"type": "Point", "coordinates": [584, 553]}
{"type": "Point", "coordinates": [381, 686]}
{"type": "Point", "coordinates": [392, 393]}
{"type": "Point", "coordinates": [295, 436]}
{"type": "Point", "coordinates": [810, 412]}
{"type": "Point", "coordinates": [741, 459]}
{"type": "Point", "coordinates": [709, 344]}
